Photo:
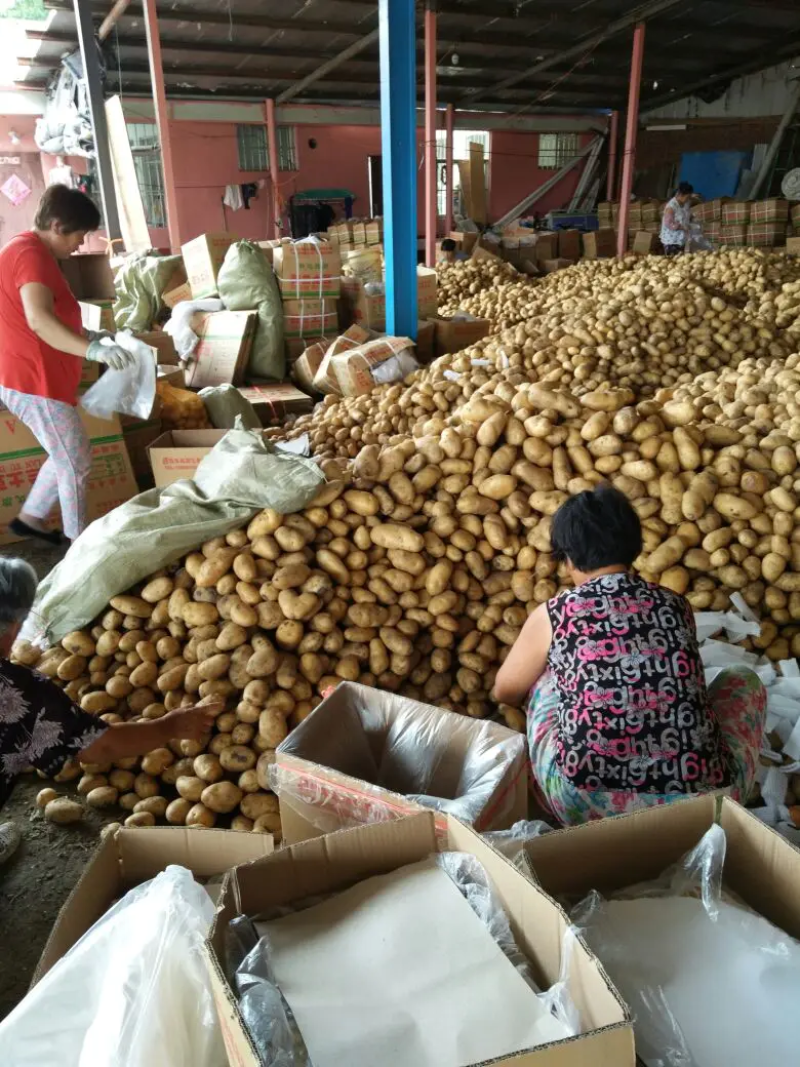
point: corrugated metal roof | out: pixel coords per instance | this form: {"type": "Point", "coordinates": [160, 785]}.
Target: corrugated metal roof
{"type": "Point", "coordinates": [246, 48]}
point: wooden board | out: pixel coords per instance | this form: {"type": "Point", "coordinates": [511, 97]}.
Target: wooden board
{"type": "Point", "coordinates": [466, 187]}
{"type": "Point", "coordinates": [133, 223]}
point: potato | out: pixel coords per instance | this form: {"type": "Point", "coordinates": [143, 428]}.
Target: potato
{"type": "Point", "coordinates": [44, 796]}
{"type": "Point", "coordinates": [178, 811]}
{"type": "Point", "coordinates": [387, 535]}
{"type": "Point", "coordinates": [157, 806]}
{"type": "Point", "coordinates": [61, 810]}
{"type": "Point", "coordinates": [207, 767]}
{"type": "Point", "coordinates": [268, 823]}
{"type": "Point", "coordinates": [157, 589]}
{"type": "Point", "coordinates": [132, 605]}
{"type": "Point", "coordinates": [140, 818]}
{"type": "Point", "coordinates": [272, 728]}
{"type": "Point", "coordinates": [79, 643]}
{"type": "Point", "coordinates": [190, 787]}
{"type": "Point", "coordinates": [255, 805]}
{"type": "Point", "coordinates": [104, 796]}
{"type": "Point", "coordinates": [221, 797]}
{"type": "Point", "coordinates": [96, 703]}
{"type": "Point", "coordinates": [157, 761]}
{"type": "Point", "coordinates": [237, 758]}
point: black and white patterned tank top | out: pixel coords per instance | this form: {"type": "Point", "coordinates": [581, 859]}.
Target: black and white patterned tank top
{"type": "Point", "coordinates": [633, 710]}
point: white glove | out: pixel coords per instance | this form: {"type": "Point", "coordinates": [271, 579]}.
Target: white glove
{"type": "Point", "coordinates": [114, 356]}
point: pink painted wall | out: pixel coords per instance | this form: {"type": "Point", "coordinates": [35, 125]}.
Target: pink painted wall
{"type": "Point", "coordinates": [514, 172]}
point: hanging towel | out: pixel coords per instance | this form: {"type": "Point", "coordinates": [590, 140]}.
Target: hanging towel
{"type": "Point", "coordinates": [233, 197]}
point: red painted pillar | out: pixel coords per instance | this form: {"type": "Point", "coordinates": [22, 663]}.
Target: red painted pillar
{"type": "Point", "coordinates": [613, 135]}
{"type": "Point", "coordinates": [631, 128]}
{"type": "Point", "coordinates": [274, 226]}
{"type": "Point", "coordinates": [162, 120]}
{"type": "Point", "coordinates": [431, 212]}
{"type": "Point", "coordinates": [448, 163]}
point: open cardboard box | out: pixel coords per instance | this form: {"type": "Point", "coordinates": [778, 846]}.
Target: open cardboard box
{"type": "Point", "coordinates": [335, 862]}
{"type": "Point", "coordinates": [177, 454]}
{"type": "Point", "coordinates": [611, 854]}
{"type": "Point", "coordinates": [327, 769]}
{"type": "Point", "coordinates": [127, 858]}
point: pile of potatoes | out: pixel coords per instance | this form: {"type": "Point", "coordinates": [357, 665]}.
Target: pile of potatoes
{"type": "Point", "coordinates": [487, 289]}
{"type": "Point", "coordinates": [418, 562]}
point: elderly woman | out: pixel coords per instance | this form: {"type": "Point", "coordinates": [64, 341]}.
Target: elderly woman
{"type": "Point", "coordinates": [40, 726]}
{"type": "Point", "coordinates": [618, 712]}
{"type": "Point", "coordinates": [42, 345]}
{"type": "Point", "coordinates": [676, 221]}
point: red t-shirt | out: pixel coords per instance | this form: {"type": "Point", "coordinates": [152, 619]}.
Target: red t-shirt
{"type": "Point", "coordinates": [27, 364]}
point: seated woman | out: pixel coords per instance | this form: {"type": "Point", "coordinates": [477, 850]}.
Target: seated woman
{"type": "Point", "coordinates": [618, 712]}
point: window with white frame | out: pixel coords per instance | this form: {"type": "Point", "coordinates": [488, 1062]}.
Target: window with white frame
{"type": "Point", "coordinates": [143, 139]}
{"type": "Point", "coordinates": [557, 149]}
{"type": "Point", "coordinates": [461, 142]}
{"type": "Point", "coordinates": [254, 149]}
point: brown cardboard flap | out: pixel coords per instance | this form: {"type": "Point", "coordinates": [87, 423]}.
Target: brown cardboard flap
{"type": "Point", "coordinates": [207, 853]}
{"type": "Point", "coordinates": [621, 850]}
{"type": "Point", "coordinates": [762, 867]}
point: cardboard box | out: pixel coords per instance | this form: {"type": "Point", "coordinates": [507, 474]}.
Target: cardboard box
{"type": "Point", "coordinates": [97, 314]}
{"type": "Point", "coordinates": [308, 363]}
{"type": "Point", "coordinates": [273, 402]}
{"type": "Point", "coordinates": [374, 231]}
{"type": "Point", "coordinates": [611, 854]}
{"type": "Point", "coordinates": [550, 266]}
{"type": "Point", "coordinates": [465, 241]}
{"type": "Point", "coordinates": [773, 210]}
{"type": "Point", "coordinates": [546, 247]}
{"type": "Point", "coordinates": [597, 244]}
{"type": "Point", "coordinates": [223, 351]}
{"type": "Point", "coordinates": [111, 480]}
{"type": "Point", "coordinates": [793, 245]}
{"type": "Point", "coordinates": [90, 276]}
{"type": "Point", "coordinates": [569, 244]}
{"type": "Point", "coordinates": [454, 335]}
{"type": "Point", "coordinates": [310, 318]}
{"type": "Point", "coordinates": [334, 863]}
{"type": "Point", "coordinates": [733, 234]}
{"type": "Point", "coordinates": [177, 453]}
{"type": "Point", "coordinates": [328, 766]}
{"type": "Point", "coordinates": [138, 437]}
{"type": "Point", "coordinates": [294, 347]}
{"type": "Point", "coordinates": [358, 306]}
{"type": "Point", "coordinates": [766, 234]}
{"type": "Point", "coordinates": [175, 296]}
{"type": "Point", "coordinates": [268, 248]}
{"type": "Point", "coordinates": [173, 375]}
{"type": "Point", "coordinates": [644, 243]}
{"type": "Point", "coordinates": [307, 270]}
{"type": "Point", "coordinates": [736, 213]}
{"type": "Point", "coordinates": [426, 340]}
{"type": "Point", "coordinates": [202, 259]}
{"type": "Point", "coordinates": [166, 353]}
{"type": "Point", "coordinates": [350, 372]}
{"type": "Point", "coordinates": [427, 298]}
{"type": "Point", "coordinates": [127, 858]}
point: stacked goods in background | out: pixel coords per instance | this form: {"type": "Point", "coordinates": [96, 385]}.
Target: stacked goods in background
{"type": "Point", "coordinates": [417, 565]}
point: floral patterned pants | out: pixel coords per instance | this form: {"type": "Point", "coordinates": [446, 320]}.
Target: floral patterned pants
{"type": "Point", "coordinates": [737, 699]}
{"type": "Point", "coordinates": [62, 480]}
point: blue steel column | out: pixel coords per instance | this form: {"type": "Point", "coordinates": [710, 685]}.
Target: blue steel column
{"type": "Point", "coordinates": [399, 146]}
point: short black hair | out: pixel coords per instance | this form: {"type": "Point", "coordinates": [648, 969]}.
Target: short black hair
{"type": "Point", "coordinates": [685, 189]}
{"type": "Point", "coordinates": [597, 528]}
{"type": "Point", "coordinates": [448, 245]}
{"type": "Point", "coordinates": [72, 209]}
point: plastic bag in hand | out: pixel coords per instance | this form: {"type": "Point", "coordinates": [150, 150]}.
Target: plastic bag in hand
{"type": "Point", "coordinates": [133, 992]}
{"type": "Point", "coordinates": [131, 391]}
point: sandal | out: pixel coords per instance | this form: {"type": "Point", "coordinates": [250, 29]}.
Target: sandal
{"type": "Point", "coordinates": [52, 537]}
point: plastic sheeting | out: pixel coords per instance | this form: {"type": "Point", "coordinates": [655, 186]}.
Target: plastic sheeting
{"type": "Point", "coordinates": [139, 283]}
{"type": "Point", "coordinates": [133, 992]}
{"type": "Point", "coordinates": [449, 763]}
{"type": "Point", "coordinates": [239, 477]}
{"type": "Point", "coordinates": [179, 326]}
{"type": "Point", "coordinates": [131, 391]}
{"type": "Point", "coordinates": [245, 282]}
{"type": "Point", "coordinates": [710, 982]}
{"type": "Point", "coordinates": [224, 404]}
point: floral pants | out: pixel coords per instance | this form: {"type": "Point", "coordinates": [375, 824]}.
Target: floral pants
{"type": "Point", "coordinates": [62, 480]}
{"type": "Point", "coordinates": [738, 700]}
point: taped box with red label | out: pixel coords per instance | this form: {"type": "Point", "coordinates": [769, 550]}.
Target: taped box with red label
{"type": "Point", "coordinates": [365, 755]}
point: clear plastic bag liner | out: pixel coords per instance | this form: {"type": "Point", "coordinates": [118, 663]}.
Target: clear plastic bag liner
{"type": "Point", "coordinates": [394, 369]}
{"type": "Point", "coordinates": [511, 843]}
{"type": "Point", "coordinates": [133, 992]}
{"type": "Point", "coordinates": [268, 1017]}
{"type": "Point", "coordinates": [654, 953]}
{"type": "Point", "coordinates": [131, 391]}
{"type": "Point", "coordinates": [463, 767]}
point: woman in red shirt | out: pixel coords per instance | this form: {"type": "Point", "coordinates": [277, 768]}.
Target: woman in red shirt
{"type": "Point", "coordinates": [42, 344]}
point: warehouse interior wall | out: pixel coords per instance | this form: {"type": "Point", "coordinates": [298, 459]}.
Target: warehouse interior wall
{"type": "Point", "coordinates": [515, 172]}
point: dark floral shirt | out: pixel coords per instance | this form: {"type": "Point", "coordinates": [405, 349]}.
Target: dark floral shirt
{"type": "Point", "coordinates": [39, 725]}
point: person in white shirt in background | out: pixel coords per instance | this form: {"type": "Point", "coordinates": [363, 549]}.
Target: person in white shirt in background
{"type": "Point", "coordinates": [676, 221]}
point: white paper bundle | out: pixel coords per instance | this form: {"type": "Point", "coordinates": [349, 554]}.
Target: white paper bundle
{"type": "Point", "coordinates": [399, 971]}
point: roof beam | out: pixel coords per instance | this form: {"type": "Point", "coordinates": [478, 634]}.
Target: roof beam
{"type": "Point", "coordinates": [329, 65]}
{"type": "Point", "coordinates": [644, 11]}
{"type": "Point", "coordinates": [112, 18]}
{"type": "Point", "coordinates": [185, 45]}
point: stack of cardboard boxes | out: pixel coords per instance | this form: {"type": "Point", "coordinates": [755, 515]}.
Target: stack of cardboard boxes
{"type": "Point", "coordinates": [352, 234]}
{"type": "Point", "coordinates": [309, 277]}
